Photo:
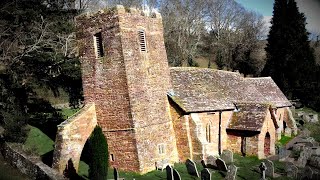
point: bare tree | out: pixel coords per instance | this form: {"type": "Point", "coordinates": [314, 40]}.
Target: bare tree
{"type": "Point", "coordinates": [184, 27]}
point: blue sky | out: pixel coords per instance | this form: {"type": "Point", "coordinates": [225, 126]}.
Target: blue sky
{"type": "Point", "coordinates": [311, 9]}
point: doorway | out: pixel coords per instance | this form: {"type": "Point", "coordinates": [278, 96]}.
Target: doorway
{"type": "Point", "coordinates": [267, 144]}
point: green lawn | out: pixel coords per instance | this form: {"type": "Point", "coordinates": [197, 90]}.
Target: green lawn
{"type": "Point", "coordinates": [285, 139]}
{"type": "Point", "coordinates": [38, 142]}
{"type": "Point", "coordinates": [67, 112]}
{"type": "Point", "coordinates": [314, 128]}
{"type": "Point", "coordinates": [247, 170]}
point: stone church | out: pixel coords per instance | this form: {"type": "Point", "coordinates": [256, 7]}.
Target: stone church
{"type": "Point", "coordinates": [151, 113]}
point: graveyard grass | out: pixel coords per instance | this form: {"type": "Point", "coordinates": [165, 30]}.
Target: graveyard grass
{"type": "Point", "coordinates": [285, 139]}
{"type": "Point", "coordinates": [247, 169]}
{"type": "Point", "coordinates": [314, 128]}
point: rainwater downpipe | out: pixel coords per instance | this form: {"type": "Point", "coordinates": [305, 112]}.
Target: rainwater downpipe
{"type": "Point", "coordinates": [219, 140]}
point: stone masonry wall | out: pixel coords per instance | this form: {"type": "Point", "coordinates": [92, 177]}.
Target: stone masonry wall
{"type": "Point", "coordinates": [268, 126]}
{"type": "Point", "coordinates": [72, 135]}
{"type": "Point", "coordinates": [33, 167]}
{"type": "Point", "coordinates": [199, 121]}
{"type": "Point", "coordinates": [148, 82]}
{"type": "Point", "coordinates": [254, 141]}
{"type": "Point", "coordinates": [127, 86]}
{"type": "Point", "coordinates": [182, 132]}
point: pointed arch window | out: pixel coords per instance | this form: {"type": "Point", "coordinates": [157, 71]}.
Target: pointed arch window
{"type": "Point", "coordinates": [208, 133]}
{"type": "Point", "coordinates": [142, 40]}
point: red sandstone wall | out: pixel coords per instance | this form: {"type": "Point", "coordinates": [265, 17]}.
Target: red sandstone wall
{"type": "Point", "coordinates": [268, 126]}
{"type": "Point", "coordinates": [182, 132]}
{"type": "Point", "coordinates": [105, 83]}
{"type": "Point", "coordinates": [128, 86]}
{"type": "Point", "coordinates": [72, 135]}
{"type": "Point", "coordinates": [148, 83]}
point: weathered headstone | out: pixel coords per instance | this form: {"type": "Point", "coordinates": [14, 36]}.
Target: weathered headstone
{"type": "Point", "coordinates": [115, 174]}
{"type": "Point", "coordinates": [169, 172]}
{"type": "Point", "coordinates": [221, 165]}
{"type": "Point", "coordinates": [287, 132]}
{"type": "Point", "coordinates": [287, 166]}
{"type": "Point", "coordinates": [227, 156]}
{"type": "Point", "coordinates": [176, 175]}
{"type": "Point", "coordinates": [232, 172]}
{"type": "Point", "coordinates": [203, 163]}
{"type": "Point", "coordinates": [192, 168]}
{"type": "Point", "coordinates": [304, 156]}
{"type": "Point", "coordinates": [292, 171]}
{"type": "Point", "coordinates": [211, 162]}
{"type": "Point", "coordinates": [263, 169]}
{"type": "Point", "coordinates": [205, 174]}
{"type": "Point", "coordinates": [270, 168]}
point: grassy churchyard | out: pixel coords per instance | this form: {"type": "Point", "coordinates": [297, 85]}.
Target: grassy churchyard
{"type": "Point", "coordinates": [40, 144]}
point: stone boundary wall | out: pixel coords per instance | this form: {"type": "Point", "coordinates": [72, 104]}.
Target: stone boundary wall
{"type": "Point", "coordinates": [32, 167]}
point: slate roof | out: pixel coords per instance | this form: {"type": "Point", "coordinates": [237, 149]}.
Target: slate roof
{"type": "Point", "coordinates": [203, 89]}
{"type": "Point", "coordinates": [249, 117]}
{"type": "Point", "coordinates": [269, 90]}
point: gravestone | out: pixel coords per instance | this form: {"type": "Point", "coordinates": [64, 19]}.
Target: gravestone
{"type": "Point", "coordinates": [263, 169]}
{"type": "Point", "coordinates": [232, 172]}
{"type": "Point", "coordinates": [221, 165]}
{"type": "Point", "coordinates": [308, 172]}
{"type": "Point", "coordinates": [304, 156]}
{"type": "Point", "coordinates": [169, 172]}
{"type": "Point", "coordinates": [176, 175]}
{"type": "Point", "coordinates": [115, 174]}
{"type": "Point", "coordinates": [203, 163]}
{"type": "Point", "coordinates": [287, 132]}
{"type": "Point", "coordinates": [270, 168]}
{"type": "Point", "coordinates": [227, 156]}
{"type": "Point", "coordinates": [192, 168]}
{"type": "Point", "coordinates": [211, 162]}
{"type": "Point", "coordinates": [287, 166]}
{"type": "Point", "coordinates": [292, 171]}
{"type": "Point", "coordinates": [205, 174]}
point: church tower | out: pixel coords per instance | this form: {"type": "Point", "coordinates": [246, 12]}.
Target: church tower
{"type": "Point", "coordinates": [125, 73]}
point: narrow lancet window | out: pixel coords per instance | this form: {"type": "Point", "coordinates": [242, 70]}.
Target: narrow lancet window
{"type": "Point", "coordinates": [142, 40]}
{"type": "Point", "coordinates": [98, 48]}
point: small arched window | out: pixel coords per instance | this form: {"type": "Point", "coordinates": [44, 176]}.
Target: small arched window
{"type": "Point", "coordinates": [208, 132]}
{"type": "Point", "coordinates": [142, 40]}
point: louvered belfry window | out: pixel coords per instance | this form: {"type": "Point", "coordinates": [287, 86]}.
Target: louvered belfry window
{"type": "Point", "coordinates": [98, 48]}
{"type": "Point", "coordinates": [142, 40]}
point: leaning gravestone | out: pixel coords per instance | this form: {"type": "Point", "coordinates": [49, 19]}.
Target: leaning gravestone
{"type": "Point", "coordinates": [169, 172]}
{"type": "Point", "coordinates": [176, 175]}
{"type": "Point", "coordinates": [192, 168]}
{"type": "Point", "coordinates": [270, 168]}
{"type": "Point", "coordinates": [221, 165]}
{"type": "Point", "coordinates": [292, 171]}
{"type": "Point", "coordinates": [211, 162]}
{"type": "Point", "coordinates": [227, 156]}
{"type": "Point", "coordinates": [232, 172]}
{"type": "Point", "coordinates": [304, 156]}
{"type": "Point", "coordinates": [115, 174]}
{"type": "Point", "coordinates": [205, 174]}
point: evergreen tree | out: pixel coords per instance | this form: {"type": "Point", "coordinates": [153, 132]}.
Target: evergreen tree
{"type": "Point", "coordinates": [99, 152]}
{"type": "Point", "coordinates": [290, 59]}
